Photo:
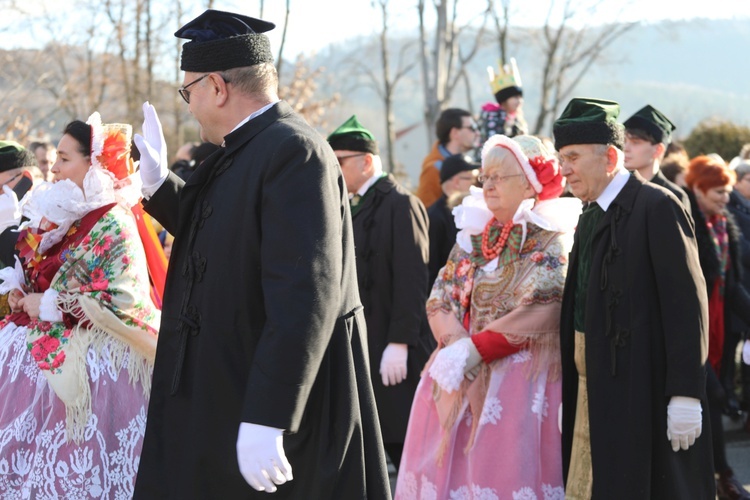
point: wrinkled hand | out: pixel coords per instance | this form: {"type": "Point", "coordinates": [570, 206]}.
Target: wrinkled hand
{"type": "Point", "coordinates": [261, 457]}
{"type": "Point", "coordinates": [746, 352]}
{"type": "Point", "coordinates": [393, 363]}
{"type": "Point", "coordinates": [10, 211]}
{"type": "Point", "coordinates": [153, 148]}
{"type": "Point", "coordinates": [683, 421]}
{"type": "Point", "coordinates": [30, 304]}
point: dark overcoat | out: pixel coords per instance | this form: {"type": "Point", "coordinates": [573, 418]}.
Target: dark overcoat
{"type": "Point", "coordinates": [660, 180]}
{"type": "Point", "coordinates": [391, 245]}
{"type": "Point", "coordinates": [261, 323]}
{"type": "Point", "coordinates": [646, 324]}
{"type": "Point", "coordinates": [739, 207]}
{"type": "Point", "coordinates": [442, 237]}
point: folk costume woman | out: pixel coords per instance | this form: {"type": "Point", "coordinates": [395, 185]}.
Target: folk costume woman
{"type": "Point", "coordinates": [484, 423]}
{"type": "Point", "coordinates": [76, 353]}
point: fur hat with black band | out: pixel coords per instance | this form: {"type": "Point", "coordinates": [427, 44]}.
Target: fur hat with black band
{"type": "Point", "coordinates": [352, 136]}
{"type": "Point", "coordinates": [224, 40]}
{"type": "Point", "coordinates": [653, 122]}
{"type": "Point", "coordinates": [589, 121]}
{"type": "Point", "coordinates": [13, 155]}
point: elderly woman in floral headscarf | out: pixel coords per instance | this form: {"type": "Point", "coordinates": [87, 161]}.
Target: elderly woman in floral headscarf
{"type": "Point", "coordinates": [77, 351]}
{"type": "Point", "coordinates": [484, 423]}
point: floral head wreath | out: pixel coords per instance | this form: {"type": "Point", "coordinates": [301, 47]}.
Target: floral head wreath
{"type": "Point", "coordinates": [540, 166]}
{"type": "Point", "coordinates": [110, 146]}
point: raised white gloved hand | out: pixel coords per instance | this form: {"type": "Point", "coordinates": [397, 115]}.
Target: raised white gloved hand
{"type": "Point", "coordinates": [393, 363]}
{"type": "Point", "coordinates": [683, 421]}
{"type": "Point", "coordinates": [452, 363]}
{"type": "Point", "coordinates": [746, 352]}
{"type": "Point", "coordinates": [153, 149]}
{"type": "Point", "coordinates": [260, 455]}
{"type": "Point", "coordinates": [10, 212]}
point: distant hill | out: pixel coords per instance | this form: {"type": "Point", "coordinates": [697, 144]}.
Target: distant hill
{"type": "Point", "coordinates": [690, 70]}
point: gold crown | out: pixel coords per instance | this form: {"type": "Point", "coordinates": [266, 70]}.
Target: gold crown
{"type": "Point", "coordinates": [507, 76]}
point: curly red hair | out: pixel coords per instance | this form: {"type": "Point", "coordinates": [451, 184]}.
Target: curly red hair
{"type": "Point", "coordinates": [705, 173]}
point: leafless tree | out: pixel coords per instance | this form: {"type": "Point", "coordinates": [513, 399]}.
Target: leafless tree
{"type": "Point", "coordinates": [569, 52]}
{"type": "Point", "coordinates": [443, 64]}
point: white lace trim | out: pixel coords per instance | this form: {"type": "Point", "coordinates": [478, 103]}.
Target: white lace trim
{"type": "Point", "coordinates": [472, 215]}
{"type": "Point", "coordinates": [448, 368]}
{"type": "Point", "coordinates": [12, 278]}
{"type": "Point", "coordinates": [48, 310]}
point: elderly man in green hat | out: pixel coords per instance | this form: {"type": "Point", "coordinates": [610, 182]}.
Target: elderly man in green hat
{"type": "Point", "coordinates": [391, 244]}
{"type": "Point", "coordinates": [633, 327]}
{"type": "Point", "coordinates": [647, 134]}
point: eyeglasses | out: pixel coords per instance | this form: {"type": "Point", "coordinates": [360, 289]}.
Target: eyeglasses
{"type": "Point", "coordinates": [185, 93]}
{"type": "Point", "coordinates": [341, 159]}
{"type": "Point", "coordinates": [473, 127]}
{"type": "Point", "coordinates": [19, 174]}
{"type": "Point", "coordinates": [494, 178]}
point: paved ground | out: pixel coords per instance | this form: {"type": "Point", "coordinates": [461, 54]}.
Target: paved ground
{"type": "Point", "coordinates": [738, 452]}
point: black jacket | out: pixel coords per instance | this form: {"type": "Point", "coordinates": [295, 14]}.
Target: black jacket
{"type": "Point", "coordinates": [261, 323]}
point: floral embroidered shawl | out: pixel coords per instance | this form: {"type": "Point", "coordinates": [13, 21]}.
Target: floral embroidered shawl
{"type": "Point", "coordinates": [104, 294]}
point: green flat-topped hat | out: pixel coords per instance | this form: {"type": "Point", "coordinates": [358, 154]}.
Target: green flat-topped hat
{"type": "Point", "coordinates": [588, 121]}
{"type": "Point", "coordinates": [653, 122]}
{"type": "Point", "coordinates": [223, 40]}
{"type": "Point", "coordinates": [13, 155]}
{"type": "Point", "coordinates": [352, 136]}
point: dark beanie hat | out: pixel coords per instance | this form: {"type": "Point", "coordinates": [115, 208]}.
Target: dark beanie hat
{"type": "Point", "coordinates": [588, 121]}
{"type": "Point", "coordinates": [13, 155]}
{"type": "Point", "coordinates": [224, 40]}
{"type": "Point", "coordinates": [352, 136]}
{"type": "Point", "coordinates": [653, 122]}
{"type": "Point", "coordinates": [456, 164]}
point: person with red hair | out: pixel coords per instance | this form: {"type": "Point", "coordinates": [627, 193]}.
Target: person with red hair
{"type": "Point", "coordinates": [709, 184]}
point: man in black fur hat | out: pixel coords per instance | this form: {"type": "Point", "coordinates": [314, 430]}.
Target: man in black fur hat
{"type": "Point", "coordinates": [261, 367]}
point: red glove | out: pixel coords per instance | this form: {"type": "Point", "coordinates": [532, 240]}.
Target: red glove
{"type": "Point", "coordinates": [493, 345]}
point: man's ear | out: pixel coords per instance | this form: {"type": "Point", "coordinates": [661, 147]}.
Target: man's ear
{"type": "Point", "coordinates": [611, 158]}
{"type": "Point", "coordinates": [660, 150]}
{"type": "Point", "coordinates": [219, 89]}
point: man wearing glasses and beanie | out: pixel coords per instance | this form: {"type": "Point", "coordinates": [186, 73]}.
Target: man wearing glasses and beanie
{"type": "Point", "coordinates": [261, 382]}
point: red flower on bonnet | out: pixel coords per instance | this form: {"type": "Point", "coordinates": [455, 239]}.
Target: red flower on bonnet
{"type": "Point", "coordinates": [539, 165]}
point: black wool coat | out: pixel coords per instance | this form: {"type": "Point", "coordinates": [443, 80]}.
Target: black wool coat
{"type": "Point", "coordinates": [646, 340]}
{"type": "Point", "coordinates": [391, 245]}
{"type": "Point", "coordinates": [739, 208]}
{"type": "Point", "coordinates": [261, 323]}
{"type": "Point", "coordinates": [442, 237]}
{"type": "Point", "coordinates": [660, 180]}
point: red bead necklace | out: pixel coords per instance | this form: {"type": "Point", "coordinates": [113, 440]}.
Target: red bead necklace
{"type": "Point", "coordinates": [488, 252]}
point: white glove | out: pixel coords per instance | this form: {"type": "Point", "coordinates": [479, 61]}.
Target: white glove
{"type": "Point", "coordinates": [10, 212]}
{"type": "Point", "coordinates": [393, 363]}
{"type": "Point", "coordinates": [453, 363]}
{"type": "Point", "coordinates": [260, 455]}
{"type": "Point", "coordinates": [153, 149]}
{"type": "Point", "coordinates": [683, 421]}
{"type": "Point", "coordinates": [746, 352]}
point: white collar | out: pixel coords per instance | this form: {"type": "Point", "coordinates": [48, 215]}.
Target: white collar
{"type": "Point", "coordinates": [253, 115]}
{"type": "Point", "coordinates": [613, 188]}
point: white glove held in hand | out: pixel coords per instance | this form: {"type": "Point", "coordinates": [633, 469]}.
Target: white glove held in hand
{"type": "Point", "coordinates": [683, 421]}
{"type": "Point", "coordinates": [746, 352]}
{"type": "Point", "coordinates": [10, 212]}
{"type": "Point", "coordinates": [393, 363]}
{"type": "Point", "coordinates": [454, 362]}
{"type": "Point", "coordinates": [260, 455]}
{"type": "Point", "coordinates": [153, 148]}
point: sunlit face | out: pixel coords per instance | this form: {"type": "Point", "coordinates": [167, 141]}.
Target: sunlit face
{"type": "Point", "coordinates": [70, 163]}
{"type": "Point", "coordinates": [356, 167]}
{"type": "Point", "coordinates": [466, 137]}
{"type": "Point", "coordinates": [640, 153]}
{"type": "Point", "coordinates": [512, 104]}
{"type": "Point", "coordinates": [45, 158]}
{"type": "Point", "coordinates": [712, 201]}
{"type": "Point", "coordinates": [585, 168]}
{"type": "Point", "coordinates": [504, 188]}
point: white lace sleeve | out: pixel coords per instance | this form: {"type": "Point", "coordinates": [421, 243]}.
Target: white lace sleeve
{"type": "Point", "coordinates": [48, 310]}
{"type": "Point", "coordinates": [448, 368]}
